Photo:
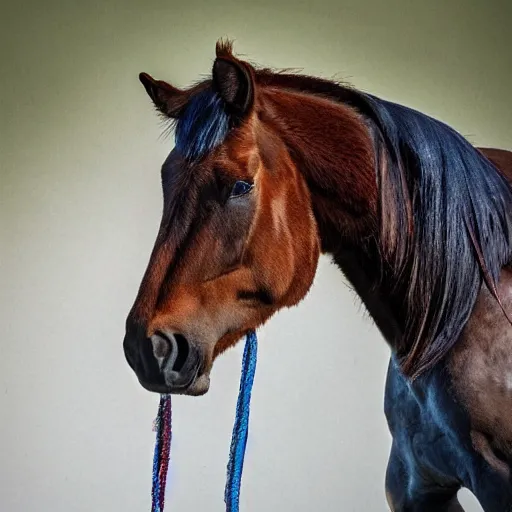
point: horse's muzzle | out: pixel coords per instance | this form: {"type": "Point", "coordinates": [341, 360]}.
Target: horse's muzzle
{"type": "Point", "coordinates": [165, 363]}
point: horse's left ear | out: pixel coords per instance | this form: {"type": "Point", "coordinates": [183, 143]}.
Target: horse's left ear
{"type": "Point", "coordinates": [166, 98]}
{"type": "Point", "coordinates": [234, 82]}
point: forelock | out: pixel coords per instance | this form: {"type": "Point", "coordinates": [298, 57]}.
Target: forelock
{"type": "Point", "coordinates": [203, 126]}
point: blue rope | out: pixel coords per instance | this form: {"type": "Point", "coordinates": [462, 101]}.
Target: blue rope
{"type": "Point", "coordinates": [241, 426]}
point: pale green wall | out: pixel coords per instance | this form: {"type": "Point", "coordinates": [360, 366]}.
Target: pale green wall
{"type": "Point", "coordinates": [79, 207]}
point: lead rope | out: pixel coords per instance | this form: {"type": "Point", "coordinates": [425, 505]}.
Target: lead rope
{"type": "Point", "coordinates": [163, 429]}
{"type": "Point", "coordinates": [235, 465]}
{"type": "Point", "coordinates": [241, 426]}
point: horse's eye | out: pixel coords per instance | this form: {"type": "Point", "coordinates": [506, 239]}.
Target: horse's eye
{"type": "Point", "coordinates": [240, 188]}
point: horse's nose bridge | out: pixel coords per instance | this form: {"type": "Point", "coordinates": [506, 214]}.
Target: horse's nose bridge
{"type": "Point", "coordinates": [154, 283]}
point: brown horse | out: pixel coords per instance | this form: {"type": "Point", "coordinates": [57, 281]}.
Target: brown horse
{"type": "Point", "coordinates": [269, 170]}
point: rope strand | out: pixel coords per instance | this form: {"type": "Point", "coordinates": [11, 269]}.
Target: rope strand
{"type": "Point", "coordinates": [163, 428]}
{"type": "Point", "coordinates": [241, 426]}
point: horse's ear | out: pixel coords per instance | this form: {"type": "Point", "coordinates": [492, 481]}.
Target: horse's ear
{"type": "Point", "coordinates": [167, 99]}
{"type": "Point", "coordinates": [233, 80]}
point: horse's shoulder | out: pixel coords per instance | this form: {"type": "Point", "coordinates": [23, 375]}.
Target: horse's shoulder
{"type": "Point", "coordinates": [501, 158]}
{"type": "Point", "coordinates": [481, 372]}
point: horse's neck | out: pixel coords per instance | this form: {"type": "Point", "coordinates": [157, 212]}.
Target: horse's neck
{"type": "Point", "coordinates": [333, 149]}
{"type": "Point", "coordinates": [361, 268]}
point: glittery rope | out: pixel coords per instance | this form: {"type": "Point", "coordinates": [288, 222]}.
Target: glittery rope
{"type": "Point", "coordinates": [163, 428]}
{"type": "Point", "coordinates": [238, 440]}
{"type": "Point", "coordinates": [241, 426]}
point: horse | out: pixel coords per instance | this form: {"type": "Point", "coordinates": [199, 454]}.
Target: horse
{"type": "Point", "coordinates": [270, 169]}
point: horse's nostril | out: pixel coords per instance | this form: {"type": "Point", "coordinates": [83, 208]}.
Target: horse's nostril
{"type": "Point", "coordinates": [170, 350]}
{"type": "Point", "coordinates": [183, 351]}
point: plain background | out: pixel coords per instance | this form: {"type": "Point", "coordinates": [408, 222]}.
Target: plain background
{"type": "Point", "coordinates": [80, 206]}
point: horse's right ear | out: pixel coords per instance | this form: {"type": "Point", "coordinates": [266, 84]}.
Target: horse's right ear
{"type": "Point", "coordinates": [234, 81]}
{"type": "Point", "coordinates": [167, 99]}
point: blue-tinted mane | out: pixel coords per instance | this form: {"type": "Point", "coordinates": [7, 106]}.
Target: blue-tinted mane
{"type": "Point", "coordinates": [202, 126]}
{"type": "Point", "coordinates": [447, 225]}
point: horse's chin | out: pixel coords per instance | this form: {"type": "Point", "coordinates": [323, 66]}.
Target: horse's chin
{"type": "Point", "coordinates": [199, 387]}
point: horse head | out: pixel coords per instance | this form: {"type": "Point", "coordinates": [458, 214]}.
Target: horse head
{"type": "Point", "coordinates": [238, 238]}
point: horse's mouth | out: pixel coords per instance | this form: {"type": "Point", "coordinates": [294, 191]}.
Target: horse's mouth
{"type": "Point", "coordinates": [197, 385]}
